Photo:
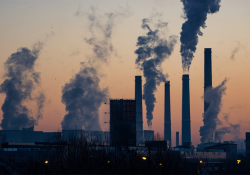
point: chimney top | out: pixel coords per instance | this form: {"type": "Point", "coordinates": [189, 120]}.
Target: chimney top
{"type": "Point", "coordinates": [185, 76]}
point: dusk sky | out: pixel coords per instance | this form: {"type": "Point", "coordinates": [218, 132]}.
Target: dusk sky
{"type": "Point", "coordinates": [62, 26]}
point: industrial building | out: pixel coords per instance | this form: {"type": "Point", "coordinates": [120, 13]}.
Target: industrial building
{"type": "Point", "coordinates": [248, 143]}
{"type": "Point", "coordinates": [148, 135]}
{"type": "Point", "coordinates": [122, 122]}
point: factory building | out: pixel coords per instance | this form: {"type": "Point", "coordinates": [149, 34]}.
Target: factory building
{"type": "Point", "coordinates": [28, 135]}
{"type": "Point", "coordinates": [248, 143]}
{"type": "Point", "coordinates": [123, 122]}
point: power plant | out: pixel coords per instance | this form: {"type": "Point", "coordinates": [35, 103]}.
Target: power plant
{"type": "Point", "coordinates": [126, 126]}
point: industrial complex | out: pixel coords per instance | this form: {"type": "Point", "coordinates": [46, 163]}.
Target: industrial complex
{"type": "Point", "coordinates": [126, 128]}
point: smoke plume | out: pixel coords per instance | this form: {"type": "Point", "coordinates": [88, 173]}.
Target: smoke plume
{"type": "Point", "coordinates": [195, 12]}
{"type": "Point", "coordinates": [21, 80]}
{"type": "Point", "coordinates": [83, 95]}
{"type": "Point", "coordinates": [152, 50]}
{"type": "Point", "coordinates": [232, 129]}
{"type": "Point", "coordinates": [213, 96]}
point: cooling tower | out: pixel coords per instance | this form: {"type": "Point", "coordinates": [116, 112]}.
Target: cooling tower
{"type": "Point", "coordinates": [186, 130]}
{"type": "Point", "coordinates": [138, 99]}
{"type": "Point", "coordinates": [207, 72]}
{"type": "Point", "coordinates": [177, 139]}
{"type": "Point", "coordinates": [167, 114]}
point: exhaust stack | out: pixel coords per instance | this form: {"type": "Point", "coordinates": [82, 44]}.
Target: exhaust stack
{"type": "Point", "coordinates": [138, 100]}
{"type": "Point", "coordinates": [177, 139]}
{"type": "Point", "coordinates": [186, 129]}
{"type": "Point", "coordinates": [167, 114]}
{"type": "Point", "coordinates": [207, 72]}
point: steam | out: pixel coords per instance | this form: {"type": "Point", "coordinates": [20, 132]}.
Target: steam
{"type": "Point", "coordinates": [232, 129]}
{"type": "Point", "coordinates": [152, 50]}
{"type": "Point", "coordinates": [83, 95]}
{"type": "Point", "coordinates": [83, 98]}
{"type": "Point", "coordinates": [19, 85]}
{"type": "Point", "coordinates": [213, 96]}
{"type": "Point", "coordinates": [195, 12]}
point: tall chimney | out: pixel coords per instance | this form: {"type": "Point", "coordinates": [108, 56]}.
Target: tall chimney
{"type": "Point", "coordinates": [167, 114]}
{"type": "Point", "coordinates": [177, 139]}
{"type": "Point", "coordinates": [207, 73]}
{"type": "Point", "coordinates": [138, 99]}
{"type": "Point", "coordinates": [186, 130]}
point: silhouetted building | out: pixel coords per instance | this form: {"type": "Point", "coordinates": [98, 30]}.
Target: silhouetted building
{"type": "Point", "coordinates": [138, 99]}
{"type": "Point", "coordinates": [157, 145]}
{"type": "Point", "coordinates": [148, 135]}
{"type": "Point", "coordinates": [123, 122]}
{"type": "Point", "coordinates": [248, 143]}
{"type": "Point", "coordinates": [186, 129]}
{"type": "Point", "coordinates": [167, 114]}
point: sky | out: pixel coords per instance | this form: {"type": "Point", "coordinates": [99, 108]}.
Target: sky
{"type": "Point", "coordinates": [56, 24]}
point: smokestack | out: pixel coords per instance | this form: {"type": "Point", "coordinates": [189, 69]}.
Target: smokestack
{"type": "Point", "coordinates": [167, 115]}
{"type": "Point", "coordinates": [207, 73]}
{"type": "Point", "coordinates": [177, 139]}
{"type": "Point", "coordinates": [138, 99]}
{"type": "Point", "coordinates": [186, 130]}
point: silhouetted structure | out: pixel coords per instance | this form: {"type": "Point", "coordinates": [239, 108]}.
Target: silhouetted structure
{"type": "Point", "coordinates": [123, 122]}
{"type": "Point", "coordinates": [167, 114]}
{"type": "Point", "coordinates": [248, 143]}
{"type": "Point", "coordinates": [207, 72]}
{"type": "Point", "coordinates": [148, 135]}
{"type": "Point", "coordinates": [138, 99]}
{"type": "Point", "coordinates": [186, 129]}
{"type": "Point", "coordinates": [157, 145]}
{"type": "Point", "coordinates": [177, 139]}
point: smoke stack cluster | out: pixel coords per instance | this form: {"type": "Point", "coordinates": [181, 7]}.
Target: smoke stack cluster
{"type": "Point", "coordinates": [167, 114]}
{"type": "Point", "coordinates": [138, 100]}
{"type": "Point", "coordinates": [186, 130]}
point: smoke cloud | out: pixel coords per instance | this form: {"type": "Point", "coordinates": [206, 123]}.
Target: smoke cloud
{"type": "Point", "coordinates": [213, 96]}
{"type": "Point", "coordinates": [232, 129]}
{"type": "Point", "coordinates": [195, 12]}
{"type": "Point", "coordinates": [19, 85]}
{"type": "Point", "coordinates": [83, 95]}
{"type": "Point", "coordinates": [152, 50]}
